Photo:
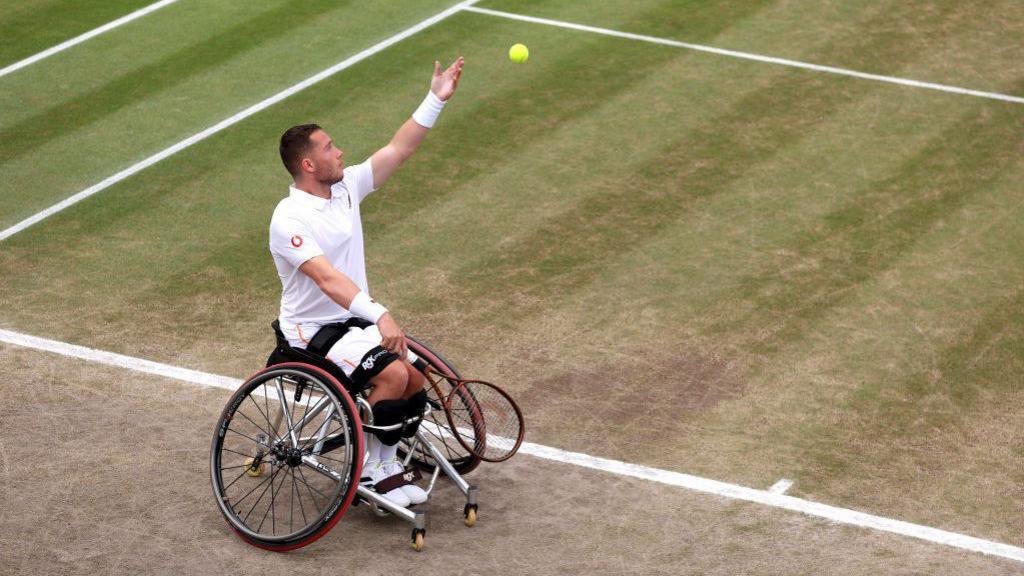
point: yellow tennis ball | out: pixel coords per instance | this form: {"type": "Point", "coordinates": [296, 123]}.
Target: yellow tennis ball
{"type": "Point", "coordinates": [518, 53]}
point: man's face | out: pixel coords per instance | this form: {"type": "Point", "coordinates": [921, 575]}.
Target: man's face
{"type": "Point", "coordinates": [325, 158]}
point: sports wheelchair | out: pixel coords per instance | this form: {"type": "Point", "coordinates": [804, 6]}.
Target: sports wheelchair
{"type": "Point", "coordinates": [288, 450]}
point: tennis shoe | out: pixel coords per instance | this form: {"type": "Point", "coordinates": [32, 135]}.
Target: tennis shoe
{"type": "Point", "coordinates": [377, 473]}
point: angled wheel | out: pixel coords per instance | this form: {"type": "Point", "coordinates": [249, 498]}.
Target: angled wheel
{"type": "Point", "coordinates": [436, 426]}
{"type": "Point", "coordinates": [286, 456]}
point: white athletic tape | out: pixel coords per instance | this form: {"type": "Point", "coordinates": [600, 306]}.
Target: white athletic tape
{"type": "Point", "coordinates": [696, 483]}
{"type": "Point", "coordinates": [259, 106]}
{"type": "Point", "coordinates": [751, 56]}
{"type": "Point", "coordinates": [82, 38]}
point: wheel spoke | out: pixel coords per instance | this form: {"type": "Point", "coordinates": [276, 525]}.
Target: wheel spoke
{"type": "Point", "coordinates": [270, 437]}
{"type": "Point", "coordinates": [270, 431]}
{"type": "Point", "coordinates": [233, 481]}
{"type": "Point", "coordinates": [271, 479]}
{"type": "Point", "coordinates": [230, 429]}
{"type": "Point", "coordinates": [311, 488]}
{"type": "Point", "coordinates": [267, 432]}
{"type": "Point", "coordinates": [301, 507]}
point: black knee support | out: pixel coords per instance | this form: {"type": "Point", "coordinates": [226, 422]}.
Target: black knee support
{"type": "Point", "coordinates": [387, 413]}
{"type": "Point", "coordinates": [414, 407]}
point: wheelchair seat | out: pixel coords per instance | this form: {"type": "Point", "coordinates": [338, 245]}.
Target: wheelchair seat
{"type": "Point", "coordinates": [285, 352]}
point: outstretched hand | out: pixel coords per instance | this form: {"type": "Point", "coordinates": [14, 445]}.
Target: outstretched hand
{"type": "Point", "coordinates": [443, 84]}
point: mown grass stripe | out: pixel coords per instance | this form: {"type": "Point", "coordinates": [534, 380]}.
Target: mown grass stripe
{"type": "Point", "coordinates": [501, 116]}
{"type": "Point", "coordinates": [255, 108]}
{"type": "Point", "coordinates": [23, 138]}
{"type": "Point", "coordinates": [754, 57]}
{"type": "Point", "coordinates": [694, 167]}
{"type": "Point", "coordinates": [863, 238]}
{"type": "Point", "coordinates": [83, 37]}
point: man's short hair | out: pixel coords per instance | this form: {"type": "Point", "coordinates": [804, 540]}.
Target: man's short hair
{"type": "Point", "coordinates": [294, 143]}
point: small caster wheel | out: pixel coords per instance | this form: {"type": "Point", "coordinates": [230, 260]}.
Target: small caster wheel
{"type": "Point", "coordinates": [417, 538]}
{"type": "Point", "coordinates": [254, 471]}
{"type": "Point", "coordinates": [469, 512]}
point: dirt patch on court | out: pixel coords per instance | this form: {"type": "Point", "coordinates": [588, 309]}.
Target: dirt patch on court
{"type": "Point", "coordinates": [106, 471]}
{"type": "Point", "coordinates": [694, 382]}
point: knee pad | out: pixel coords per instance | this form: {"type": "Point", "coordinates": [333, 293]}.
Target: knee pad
{"type": "Point", "coordinates": [386, 413]}
{"type": "Point", "coordinates": [414, 407]}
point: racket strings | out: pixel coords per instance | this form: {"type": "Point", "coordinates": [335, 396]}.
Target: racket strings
{"type": "Point", "coordinates": [485, 420]}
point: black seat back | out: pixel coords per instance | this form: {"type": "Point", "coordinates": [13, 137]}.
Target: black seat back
{"type": "Point", "coordinates": [285, 352]}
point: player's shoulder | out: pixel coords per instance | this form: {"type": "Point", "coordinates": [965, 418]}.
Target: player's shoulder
{"type": "Point", "coordinates": [288, 207]}
{"type": "Point", "coordinates": [288, 211]}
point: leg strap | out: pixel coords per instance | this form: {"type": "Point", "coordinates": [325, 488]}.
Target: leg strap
{"type": "Point", "coordinates": [403, 478]}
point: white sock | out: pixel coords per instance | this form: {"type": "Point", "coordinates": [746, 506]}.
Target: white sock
{"type": "Point", "coordinates": [388, 452]}
{"type": "Point", "coordinates": [373, 446]}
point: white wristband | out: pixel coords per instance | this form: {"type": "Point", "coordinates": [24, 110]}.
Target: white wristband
{"type": "Point", "coordinates": [428, 111]}
{"type": "Point", "coordinates": [364, 307]}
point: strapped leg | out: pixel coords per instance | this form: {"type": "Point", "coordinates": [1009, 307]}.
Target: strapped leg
{"type": "Point", "coordinates": [414, 407]}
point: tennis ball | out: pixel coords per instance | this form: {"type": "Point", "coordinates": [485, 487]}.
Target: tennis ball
{"type": "Point", "coordinates": [518, 53]}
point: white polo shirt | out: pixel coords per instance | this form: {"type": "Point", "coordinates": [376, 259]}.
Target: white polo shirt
{"type": "Point", "coordinates": [304, 226]}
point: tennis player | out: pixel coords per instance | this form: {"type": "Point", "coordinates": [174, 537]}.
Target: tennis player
{"type": "Point", "coordinates": [316, 239]}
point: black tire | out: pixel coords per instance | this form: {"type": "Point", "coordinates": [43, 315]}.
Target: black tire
{"type": "Point", "coordinates": [278, 484]}
{"type": "Point", "coordinates": [436, 426]}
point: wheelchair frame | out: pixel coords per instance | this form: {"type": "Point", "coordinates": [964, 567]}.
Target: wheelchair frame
{"type": "Point", "coordinates": [304, 364]}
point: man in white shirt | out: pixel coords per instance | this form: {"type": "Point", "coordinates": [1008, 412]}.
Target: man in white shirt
{"type": "Point", "coordinates": [316, 239]}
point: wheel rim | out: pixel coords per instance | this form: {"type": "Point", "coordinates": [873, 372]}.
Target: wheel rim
{"type": "Point", "coordinates": [302, 484]}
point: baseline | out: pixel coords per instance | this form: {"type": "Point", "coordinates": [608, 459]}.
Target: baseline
{"type": "Point", "coordinates": [259, 106]}
{"type": "Point", "coordinates": [751, 56]}
{"type": "Point", "coordinates": [86, 36]}
{"type": "Point", "coordinates": [696, 483]}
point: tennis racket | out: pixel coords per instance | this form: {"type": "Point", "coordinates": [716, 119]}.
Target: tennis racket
{"type": "Point", "coordinates": [484, 419]}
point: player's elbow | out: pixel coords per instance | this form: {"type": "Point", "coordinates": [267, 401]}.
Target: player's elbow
{"type": "Point", "coordinates": [401, 151]}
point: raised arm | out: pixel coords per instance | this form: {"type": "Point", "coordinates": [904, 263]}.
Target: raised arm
{"type": "Point", "coordinates": [340, 288]}
{"type": "Point", "coordinates": [412, 132]}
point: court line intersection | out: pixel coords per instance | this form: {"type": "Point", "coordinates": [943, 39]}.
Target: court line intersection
{"type": "Point", "coordinates": [751, 56]}
{"type": "Point", "coordinates": [468, 6]}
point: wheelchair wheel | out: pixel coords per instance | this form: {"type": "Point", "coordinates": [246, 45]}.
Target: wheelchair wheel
{"type": "Point", "coordinates": [286, 456]}
{"type": "Point", "coordinates": [436, 426]}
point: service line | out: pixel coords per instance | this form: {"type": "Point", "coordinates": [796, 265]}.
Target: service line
{"type": "Point", "coordinates": [751, 56]}
{"type": "Point", "coordinates": [690, 482]}
{"type": "Point", "coordinates": [83, 37]}
{"type": "Point", "coordinates": [259, 106]}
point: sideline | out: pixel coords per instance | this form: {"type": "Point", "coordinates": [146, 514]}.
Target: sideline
{"type": "Point", "coordinates": [259, 106]}
{"type": "Point", "coordinates": [696, 483]}
{"type": "Point", "coordinates": [83, 37]}
{"type": "Point", "coordinates": [751, 56]}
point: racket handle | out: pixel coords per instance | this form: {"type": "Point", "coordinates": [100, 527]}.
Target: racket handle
{"type": "Point", "coordinates": [417, 362]}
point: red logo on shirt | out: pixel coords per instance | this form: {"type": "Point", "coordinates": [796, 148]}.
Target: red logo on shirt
{"type": "Point", "coordinates": [296, 241]}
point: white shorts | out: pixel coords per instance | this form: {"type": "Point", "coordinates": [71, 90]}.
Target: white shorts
{"type": "Point", "coordinates": [359, 348]}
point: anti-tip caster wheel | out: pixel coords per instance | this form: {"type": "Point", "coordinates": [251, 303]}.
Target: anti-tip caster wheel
{"type": "Point", "coordinates": [417, 539]}
{"type": "Point", "coordinates": [470, 514]}
{"type": "Point", "coordinates": [254, 471]}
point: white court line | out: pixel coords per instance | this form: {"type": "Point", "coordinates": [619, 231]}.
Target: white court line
{"type": "Point", "coordinates": [259, 106]}
{"type": "Point", "coordinates": [781, 486]}
{"type": "Point", "coordinates": [755, 57]}
{"type": "Point", "coordinates": [696, 483]}
{"type": "Point", "coordinates": [82, 38]}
